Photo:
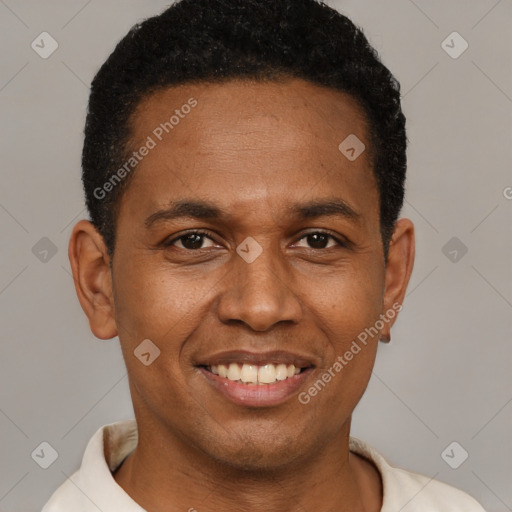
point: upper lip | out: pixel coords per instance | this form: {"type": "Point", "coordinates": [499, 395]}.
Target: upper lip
{"type": "Point", "coordinates": [257, 358]}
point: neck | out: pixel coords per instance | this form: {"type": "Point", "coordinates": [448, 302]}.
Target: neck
{"type": "Point", "coordinates": [171, 474]}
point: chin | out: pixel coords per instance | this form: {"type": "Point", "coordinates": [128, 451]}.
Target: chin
{"type": "Point", "coordinates": [258, 454]}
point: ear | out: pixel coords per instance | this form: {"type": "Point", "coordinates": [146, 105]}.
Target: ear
{"type": "Point", "coordinates": [398, 272]}
{"type": "Point", "coordinates": [90, 265]}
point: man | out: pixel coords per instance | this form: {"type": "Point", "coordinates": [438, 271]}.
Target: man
{"type": "Point", "coordinates": [244, 166]}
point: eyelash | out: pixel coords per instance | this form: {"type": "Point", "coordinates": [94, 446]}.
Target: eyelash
{"type": "Point", "coordinates": [169, 243]}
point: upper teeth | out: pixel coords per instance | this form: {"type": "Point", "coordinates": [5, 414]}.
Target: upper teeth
{"type": "Point", "coordinates": [250, 373]}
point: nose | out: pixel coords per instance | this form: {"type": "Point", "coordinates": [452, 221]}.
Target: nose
{"type": "Point", "coordinates": [260, 294]}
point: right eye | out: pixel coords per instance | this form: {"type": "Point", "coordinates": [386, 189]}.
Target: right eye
{"type": "Point", "coordinates": [189, 241]}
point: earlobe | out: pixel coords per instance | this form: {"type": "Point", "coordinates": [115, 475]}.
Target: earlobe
{"type": "Point", "coordinates": [399, 267]}
{"type": "Point", "coordinates": [90, 265]}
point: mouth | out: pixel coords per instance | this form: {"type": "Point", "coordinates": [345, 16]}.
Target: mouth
{"type": "Point", "coordinates": [256, 380]}
{"type": "Point", "coordinates": [244, 373]}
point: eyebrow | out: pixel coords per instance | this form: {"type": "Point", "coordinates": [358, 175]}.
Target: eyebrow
{"type": "Point", "coordinates": [203, 210]}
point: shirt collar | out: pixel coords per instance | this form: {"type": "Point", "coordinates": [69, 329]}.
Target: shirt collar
{"type": "Point", "coordinates": [112, 443]}
{"type": "Point", "coordinates": [109, 446]}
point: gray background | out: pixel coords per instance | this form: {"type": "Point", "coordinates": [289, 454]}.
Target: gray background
{"type": "Point", "coordinates": [446, 374]}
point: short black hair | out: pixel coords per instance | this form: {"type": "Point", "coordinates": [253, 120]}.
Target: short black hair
{"type": "Point", "coordinates": [196, 41]}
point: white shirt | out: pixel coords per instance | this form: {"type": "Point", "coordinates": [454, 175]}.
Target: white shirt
{"type": "Point", "coordinates": [93, 487]}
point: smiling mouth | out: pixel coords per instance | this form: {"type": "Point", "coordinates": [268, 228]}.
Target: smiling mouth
{"type": "Point", "coordinates": [244, 373]}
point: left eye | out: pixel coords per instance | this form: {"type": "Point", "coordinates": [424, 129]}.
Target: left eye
{"type": "Point", "coordinates": [194, 240]}
{"type": "Point", "coordinates": [319, 239]}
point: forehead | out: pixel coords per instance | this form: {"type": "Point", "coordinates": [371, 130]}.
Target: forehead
{"type": "Point", "coordinates": [249, 141]}
{"type": "Point", "coordinates": [299, 106]}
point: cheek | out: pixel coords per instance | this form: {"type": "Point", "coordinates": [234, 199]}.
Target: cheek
{"type": "Point", "coordinates": [350, 303]}
{"type": "Point", "coordinates": [155, 304]}
{"type": "Point", "coordinates": [345, 313]}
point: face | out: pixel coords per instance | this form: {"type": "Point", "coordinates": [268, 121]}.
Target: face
{"type": "Point", "coordinates": [248, 242]}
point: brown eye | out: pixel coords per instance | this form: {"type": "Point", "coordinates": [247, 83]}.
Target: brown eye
{"type": "Point", "coordinates": [190, 241]}
{"type": "Point", "coordinates": [319, 240]}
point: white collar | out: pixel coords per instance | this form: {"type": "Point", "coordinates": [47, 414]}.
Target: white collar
{"type": "Point", "coordinates": [93, 487]}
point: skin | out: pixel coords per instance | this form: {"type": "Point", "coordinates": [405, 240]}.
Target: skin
{"type": "Point", "coordinates": [253, 149]}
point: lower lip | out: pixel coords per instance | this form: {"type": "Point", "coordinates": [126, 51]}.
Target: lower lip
{"type": "Point", "coordinates": [257, 395]}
